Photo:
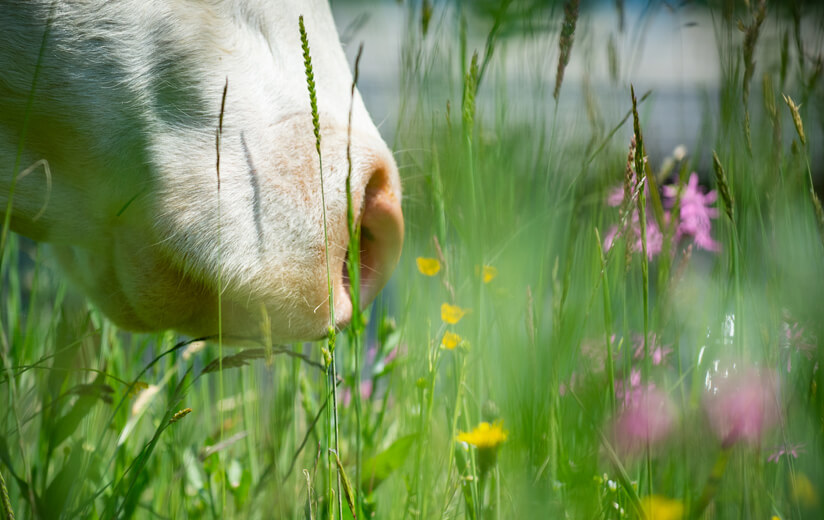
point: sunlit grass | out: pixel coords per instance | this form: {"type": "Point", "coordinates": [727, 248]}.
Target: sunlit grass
{"type": "Point", "coordinates": [560, 340]}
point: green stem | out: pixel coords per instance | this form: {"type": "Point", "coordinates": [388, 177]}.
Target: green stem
{"type": "Point", "coordinates": [461, 368]}
{"type": "Point", "coordinates": [644, 180]}
{"type": "Point", "coordinates": [607, 322]}
{"type": "Point", "coordinates": [335, 432]}
{"type": "Point", "coordinates": [353, 263]}
{"type": "Point", "coordinates": [711, 487]}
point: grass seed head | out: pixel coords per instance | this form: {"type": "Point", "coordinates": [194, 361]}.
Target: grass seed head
{"type": "Point", "coordinates": [310, 81]}
{"type": "Point", "coordinates": [565, 42]}
{"type": "Point", "coordinates": [750, 38]}
{"type": "Point", "coordinates": [5, 503]}
{"type": "Point", "coordinates": [180, 415]}
{"type": "Point", "coordinates": [799, 125]}
{"type": "Point", "coordinates": [819, 215]}
{"type": "Point", "coordinates": [723, 187]}
{"type": "Point", "coordinates": [769, 96]}
{"type": "Point", "coordinates": [470, 89]}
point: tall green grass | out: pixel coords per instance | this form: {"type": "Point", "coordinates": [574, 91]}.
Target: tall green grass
{"type": "Point", "coordinates": [542, 334]}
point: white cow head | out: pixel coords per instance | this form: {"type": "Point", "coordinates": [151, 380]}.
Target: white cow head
{"type": "Point", "coordinates": [125, 112]}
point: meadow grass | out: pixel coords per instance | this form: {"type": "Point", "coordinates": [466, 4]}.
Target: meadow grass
{"type": "Point", "coordinates": [575, 330]}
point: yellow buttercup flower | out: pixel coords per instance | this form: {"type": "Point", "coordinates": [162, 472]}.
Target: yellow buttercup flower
{"type": "Point", "coordinates": [803, 491]}
{"type": "Point", "coordinates": [485, 436]}
{"type": "Point", "coordinates": [452, 314]}
{"type": "Point", "coordinates": [428, 266]}
{"type": "Point", "coordinates": [657, 507]}
{"type": "Point", "coordinates": [450, 340]}
{"type": "Point", "coordinates": [488, 273]}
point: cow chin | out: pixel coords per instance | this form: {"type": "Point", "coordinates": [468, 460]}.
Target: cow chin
{"type": "Point", "coordinates": [267, 247]}
{"type": "Point", "coordinates": [153, 294]}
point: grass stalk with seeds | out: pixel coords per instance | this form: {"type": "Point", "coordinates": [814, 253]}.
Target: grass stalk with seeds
{"type": "Point", "coordinates": [331, 341]}
{"type": "Point", "coordinates": [353, 263]}
{"type": "Point", "coordinates": [565, 40]}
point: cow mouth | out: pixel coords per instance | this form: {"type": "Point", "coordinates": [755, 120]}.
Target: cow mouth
{"type": "Point", "coordinates": [381, 239]}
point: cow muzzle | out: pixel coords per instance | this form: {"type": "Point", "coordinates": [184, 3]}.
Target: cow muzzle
{"type": "Point", "coordinates": [380, 226]}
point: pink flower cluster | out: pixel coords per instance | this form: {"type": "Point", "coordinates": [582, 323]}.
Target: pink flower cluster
{"type": "Point", "coordinates": [797, 342]}
{"type": "Point", "coordinates": [792, 450]}
{"type": "Point", "coordinates": [694, 220]}
{"type": "Point", "coordinates": [655, 239]}
{"type": "Point", "coordinates": [594, 351]}
{"type": "Point", "coordinates": [742, 406]}
{"type": "Point", "coordinates": [375, 366]}
{"type": "Point", "coordinates": [695, 213]}
{"type": "Point", "coordinates": [647, 418]}
{"type": "Point", "coordinates": [366, 388]}
{"type": "Point", "coordinates": [739, 407]}
{"type": "Point", "coordinates": [657, 351]}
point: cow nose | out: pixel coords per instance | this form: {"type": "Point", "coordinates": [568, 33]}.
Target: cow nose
{"type": "Point", "coordinates": [381, 238]}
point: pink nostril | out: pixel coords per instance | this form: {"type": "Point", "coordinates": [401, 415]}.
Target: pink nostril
{"type": "Point", "coordinates": [381, 223]}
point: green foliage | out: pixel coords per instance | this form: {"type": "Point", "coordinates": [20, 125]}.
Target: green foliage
{"type": "Point", "coordinates": [380, 467]}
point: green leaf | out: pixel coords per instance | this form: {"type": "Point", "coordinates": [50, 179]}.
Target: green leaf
{"type": "Point", "coordinates": [89, 395]}
{"type": "Point", "coordinates": [378, 468]}
{"type": "Point", "coordinates": [132, 499]}
{"type": "Point", "coordinates": [58, 491]}
{"type": "Point", "coordinates": [240, 359]}
{"type": "Point", "coordinates": [5, 458]}
{"type": "Point", "coordinates": [103, 392]}
{"type": "Point", "coordinates": [240, 482]}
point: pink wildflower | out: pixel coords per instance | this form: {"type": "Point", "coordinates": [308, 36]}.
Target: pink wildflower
{"type": "Point", "coordinates": [371, 354]}
{"type": "Point", "coordinates": [695, 214]}
{"type": "Point", "coordinates": [630, 392]}
{"type": "Point", "coordinates": [797, 341]}
{"type": "Point", "coordinates": [616, 196]}
{"type": "Point", "coordinates": [655, 239]}
{"type": "Point", "coordinates": [647, 420]}
{"type": "Point", "coordinates": [609, 238]}
{"type": "Point", "coordinates": [742, 406]}
{"type": "Point", "coordinates": [657, 352]}
{"type": "Point", "coordinates": [565, 387]}
{"type": "Point", "coordinates": [595, 352]}
{"type": "Point", "coordinates": [400, 350]}
{"type": "Point", "coordinates": [789, 451]}
{"type": "Point", "coordinates": [346, 394]}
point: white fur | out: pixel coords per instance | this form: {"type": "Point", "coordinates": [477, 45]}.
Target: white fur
{"type": "Point", "coordinates": [126, 109]}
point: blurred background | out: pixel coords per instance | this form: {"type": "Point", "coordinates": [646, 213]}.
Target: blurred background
{"type": "Point", "coordinates": [672, 49]}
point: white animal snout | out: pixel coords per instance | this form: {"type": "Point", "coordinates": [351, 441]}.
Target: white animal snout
{"type": "Point", "coordinates": [125, 111]}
